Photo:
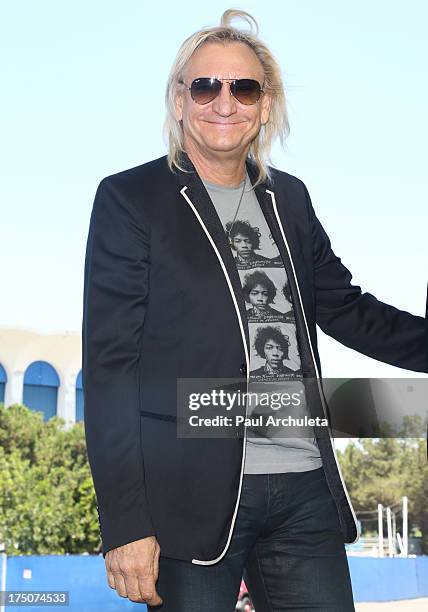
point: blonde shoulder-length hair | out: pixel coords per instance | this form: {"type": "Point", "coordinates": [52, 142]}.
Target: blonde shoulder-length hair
{"type": "Point", "coordinates": [276, 127]}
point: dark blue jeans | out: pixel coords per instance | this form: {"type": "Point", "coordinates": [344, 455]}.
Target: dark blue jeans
{"type": "Point", "coordinates": [287, 544]}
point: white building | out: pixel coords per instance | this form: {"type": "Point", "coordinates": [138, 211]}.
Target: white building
{"type": "Point", "coordinates": [42, 371]}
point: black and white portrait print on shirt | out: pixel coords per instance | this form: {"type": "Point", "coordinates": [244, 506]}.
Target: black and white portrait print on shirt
{"type": "Point", "coordinates": [271, 322]}
{"type": "Point", "coordinates": [247, 243]}
{"type": "Point", "coordinates": [267, 295]}
{"type": "Point", "coordinates": [276, 356]}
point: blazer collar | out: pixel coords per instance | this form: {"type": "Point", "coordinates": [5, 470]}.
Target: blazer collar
{"type": "Point", "coordinates": [192, 180]}
{"type": "Point", "coordinates": [191, 176]}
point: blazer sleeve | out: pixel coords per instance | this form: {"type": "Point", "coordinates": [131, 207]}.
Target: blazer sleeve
{"type": "Point", "coordinates": [359, 320]}
{"type": "Point", "coordinates": [116, 287]}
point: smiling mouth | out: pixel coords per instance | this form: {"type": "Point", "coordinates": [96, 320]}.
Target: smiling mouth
{"type": "Point", "coordinates": [225, 124]}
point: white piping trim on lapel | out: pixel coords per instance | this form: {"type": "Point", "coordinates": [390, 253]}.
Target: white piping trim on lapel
{"type": "Point", "coordinates": [247, 361]}
{"type": "Point", "coordinates": [272, 195]}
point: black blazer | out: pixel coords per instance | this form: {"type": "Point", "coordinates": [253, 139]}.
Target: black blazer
{"type": "Point", "coordinates": [163, 300]}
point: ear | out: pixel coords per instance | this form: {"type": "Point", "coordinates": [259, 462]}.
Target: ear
{"type": "Point", "coordinates": [266, 104]}
{"type": "Point", "coordinates": [178, 103]}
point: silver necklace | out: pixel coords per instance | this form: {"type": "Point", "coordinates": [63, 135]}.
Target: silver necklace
{"type": "Point", "coordinates": [237, 209]}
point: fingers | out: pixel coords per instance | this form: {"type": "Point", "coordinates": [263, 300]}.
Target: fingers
{"type": "Point", "coordinates": [147, 582]}
{"type": "Point", "coordinates": [133, 569]}
{"type": "Point", "coordinates": [156, 562]}
{"type": "Point", "coordinates": [120, 585]}
{"type": "Point", "coordinates": [148, 591]}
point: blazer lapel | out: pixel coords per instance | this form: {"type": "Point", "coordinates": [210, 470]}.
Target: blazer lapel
{"type": "Point", "coordinates": [294, 275]}
{"type": "Point", "coordinates": [199, 197]}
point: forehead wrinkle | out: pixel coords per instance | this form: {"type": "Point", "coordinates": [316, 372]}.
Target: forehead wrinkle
{"type": "Point", "coordinates": [224, 74]}
{"type": "Point", "coordinates": [202, 65]}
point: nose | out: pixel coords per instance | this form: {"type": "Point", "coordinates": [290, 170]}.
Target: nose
{"type": "Point", "coordinates": [224, 104]}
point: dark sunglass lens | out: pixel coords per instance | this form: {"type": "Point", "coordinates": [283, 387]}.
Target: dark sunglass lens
{"type": "Point", "coordinates": [204, 90]}
{"type": "Point", "coordinates": [246, 91]}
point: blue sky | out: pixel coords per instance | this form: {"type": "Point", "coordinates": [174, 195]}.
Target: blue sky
{"type": "Point", "coordinates": [83, 97]}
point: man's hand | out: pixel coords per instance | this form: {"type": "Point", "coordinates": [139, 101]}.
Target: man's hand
{"type": "Point", "coordinates": [133, 569]}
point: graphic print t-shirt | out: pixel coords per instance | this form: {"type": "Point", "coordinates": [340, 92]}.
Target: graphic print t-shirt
{"type": "Point", "coordinates": [274, 351]}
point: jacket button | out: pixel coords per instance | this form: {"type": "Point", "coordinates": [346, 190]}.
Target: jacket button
{"type": "Point", "coordinates": [243, 369]}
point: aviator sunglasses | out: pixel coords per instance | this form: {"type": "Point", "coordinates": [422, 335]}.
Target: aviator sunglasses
{"type": "Point", "coordinates": [206, 89]}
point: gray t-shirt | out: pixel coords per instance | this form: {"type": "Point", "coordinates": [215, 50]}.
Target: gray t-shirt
{"type": "Point", "coordinates": [274, 352]}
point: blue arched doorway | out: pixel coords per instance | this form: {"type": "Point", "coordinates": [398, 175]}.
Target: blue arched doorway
{"type": "Point", "coordinates": [41, 384]}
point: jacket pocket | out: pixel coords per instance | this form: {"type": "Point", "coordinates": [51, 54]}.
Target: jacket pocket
{"type": "Point", "coordinates": [157, 415]}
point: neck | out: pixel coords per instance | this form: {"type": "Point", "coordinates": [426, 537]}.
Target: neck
{"type": "Point", "coordinates": [221, 169]}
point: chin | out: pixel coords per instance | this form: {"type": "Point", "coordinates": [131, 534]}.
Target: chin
{"type": "Point", "coordinates": [222, 144]}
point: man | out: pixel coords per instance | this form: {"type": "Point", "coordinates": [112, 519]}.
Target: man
{"type": "Point", "coordinates": [245, 240]}
{"type": "Point", "coordinates": [182, 519]}
{"type": "Point", "coordinates": [272, 345]}
{"type": "Point", "coordinates": [260, 291]}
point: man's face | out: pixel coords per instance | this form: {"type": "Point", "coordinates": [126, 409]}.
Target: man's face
{"type": "Point", "coordinates": [242, 244]}
{"type": "Point", "coordinates": [223, 126]}
{"type": "Point", "coordinates": [259, 296]}
{"type": "Point", "coordinates": [273, 353]}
